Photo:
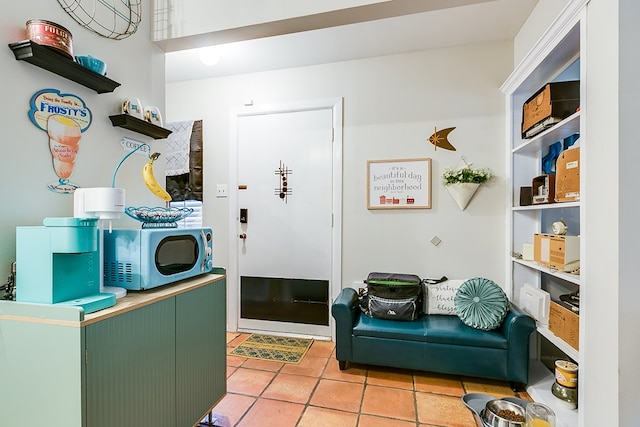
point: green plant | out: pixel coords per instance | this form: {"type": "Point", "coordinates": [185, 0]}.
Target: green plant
{"type": "Point", "coordinates": [466, 174]}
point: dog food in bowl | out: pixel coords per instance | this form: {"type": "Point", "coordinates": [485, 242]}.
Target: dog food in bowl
{"type": "Point", "coordinates": [502, 413]}
{"type": "Point", "coordinates": [510, 415]}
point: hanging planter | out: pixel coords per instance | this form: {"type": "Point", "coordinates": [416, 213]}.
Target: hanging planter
{"type": "Point", "coordinates": [463, 182]}
{"type": "Point", "coordinates": [462, 193]}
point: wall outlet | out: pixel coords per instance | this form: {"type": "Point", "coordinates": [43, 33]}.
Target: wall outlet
{"type": "Point", "coordinates": [221, 190]}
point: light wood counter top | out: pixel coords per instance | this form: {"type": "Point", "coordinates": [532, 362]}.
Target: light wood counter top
{"type": "Point", "coordinates": [67, 315]}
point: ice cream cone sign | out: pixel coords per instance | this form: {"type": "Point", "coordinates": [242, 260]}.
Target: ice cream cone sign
{"type": "Point", "coordinates": [63, 117]}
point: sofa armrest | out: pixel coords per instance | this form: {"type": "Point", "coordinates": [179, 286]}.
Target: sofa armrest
{"type": "Point", "coordinates": [517, 327]}
{"type": "Point", "coordinates": [345, 311]}
{"type": "Point", "coordinates": [516, 322]}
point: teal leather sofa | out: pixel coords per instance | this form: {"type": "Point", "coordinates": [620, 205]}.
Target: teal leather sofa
{"type": "Point", "coordinates": [436, 343]}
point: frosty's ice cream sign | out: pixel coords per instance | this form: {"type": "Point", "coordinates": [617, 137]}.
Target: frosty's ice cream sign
{"type": "Point", "coordinates": [64, 117]}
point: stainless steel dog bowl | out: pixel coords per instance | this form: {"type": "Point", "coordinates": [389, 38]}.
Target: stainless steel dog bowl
{"type": "Point", "coordinates": [494, 411]}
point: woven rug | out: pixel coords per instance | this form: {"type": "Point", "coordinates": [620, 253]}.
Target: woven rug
{"type": "Point", "coordinates": [270, 347]}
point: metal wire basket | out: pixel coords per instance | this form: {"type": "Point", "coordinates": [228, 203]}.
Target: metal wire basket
{"type": "Point", "coordinates": [158, 217]}
{"type": "Point", "coordinates": [113, 19]}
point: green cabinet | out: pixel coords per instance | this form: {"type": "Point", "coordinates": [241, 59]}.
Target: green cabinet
{"type": "Point", "coordinates": [158, 360]}
{"type": "Point", "coordinates": [131, 368]}
{"type": "Point", "coordinates": [201, 352]}
{"type": "Point", "coordinates": [42, 367]}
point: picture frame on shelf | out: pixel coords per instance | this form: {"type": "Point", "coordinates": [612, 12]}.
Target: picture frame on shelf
{"type": "Point", "coordinates": [399, 184]}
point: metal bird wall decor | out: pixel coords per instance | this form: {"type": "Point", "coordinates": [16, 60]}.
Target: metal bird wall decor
{"type": "Point", "coordinates": [439, 139]}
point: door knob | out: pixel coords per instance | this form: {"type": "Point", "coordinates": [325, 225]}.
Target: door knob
{"type": "Point", "coordinates": [243, 236]}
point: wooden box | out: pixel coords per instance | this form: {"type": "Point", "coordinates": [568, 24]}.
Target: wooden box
{"type": "Point", "coordinates": [543, 189]}
{"type": "Point", "coordinates": [568, 176]}
{"type": "Point", "coordinates": [557, 252]}
{"type": "Point", "coordinates": [564, 323]}
{"type": "Point", "coordinates": [526, 196]}
{"type": "Point", "coordinates": [550, 105]}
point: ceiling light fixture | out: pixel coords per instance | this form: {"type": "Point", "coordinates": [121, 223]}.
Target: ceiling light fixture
{"type": "Point", "coordinates": [209, 56]}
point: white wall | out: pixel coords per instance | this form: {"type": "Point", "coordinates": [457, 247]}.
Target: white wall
{"type": "Point", "coordinates": [612, 347]}
{"type": "Point", "coordinates": [197, 17]}
{"type": "Point", "coordinates": [629, 206]}
{"type": "Point", "coordinates": [538, 22]}
{"type": "Point", "coordinates": [182, 24]}
{"type": "Point", "coordinates": [601, 345]}
{"type": "Point", "coordinates": [391, 106]}
{"type": "Point", "coordinates": [26, 161]}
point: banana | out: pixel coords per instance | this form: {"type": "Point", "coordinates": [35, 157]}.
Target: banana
{"type": "Point", "coordinates": [150, 179]}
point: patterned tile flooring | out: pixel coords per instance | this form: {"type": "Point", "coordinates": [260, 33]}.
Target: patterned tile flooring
{"type": "Point", "coordinates": [315, 393]}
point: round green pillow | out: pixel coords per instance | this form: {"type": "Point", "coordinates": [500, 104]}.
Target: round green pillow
{"type": "Point", "coordinates": [481, 304]}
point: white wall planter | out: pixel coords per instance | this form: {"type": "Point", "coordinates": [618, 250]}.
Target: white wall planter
{"type": "Point", "coordinates": [462, 192]}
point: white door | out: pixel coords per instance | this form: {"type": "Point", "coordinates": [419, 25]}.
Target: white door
{"type": "Point", "coordinates": [285, 244]}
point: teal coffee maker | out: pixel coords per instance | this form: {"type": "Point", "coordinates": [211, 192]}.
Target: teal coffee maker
{"type": "Point", "coordinates": [59, 263]}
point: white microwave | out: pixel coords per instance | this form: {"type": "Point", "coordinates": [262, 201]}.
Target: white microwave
{"type": "Point", "coordinates": [138, 259]}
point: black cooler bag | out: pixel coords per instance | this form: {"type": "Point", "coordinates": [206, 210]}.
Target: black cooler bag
{"type": "Point", "coordinates": [392, 296]}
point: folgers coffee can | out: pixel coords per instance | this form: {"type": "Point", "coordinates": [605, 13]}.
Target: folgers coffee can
{"type": "Point", "coordinates": [50, 34]}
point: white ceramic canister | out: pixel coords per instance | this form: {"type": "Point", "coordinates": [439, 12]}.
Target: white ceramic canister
{"type": "Point", "coordinates": [153, 116]}
{"type": "Point", "coordinates": [132, 107]}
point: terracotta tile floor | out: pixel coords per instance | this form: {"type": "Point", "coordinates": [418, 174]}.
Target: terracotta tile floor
{"type": "Point", "coordinates": [315, 393]}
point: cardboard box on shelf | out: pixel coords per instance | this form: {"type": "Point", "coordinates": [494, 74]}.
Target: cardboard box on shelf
{"type": "Point", "coordinates": [564, 323]}
{"type": "Point", "coordinates": [558, 252]}
{"type": "Point", "coordinates": [568, 176]}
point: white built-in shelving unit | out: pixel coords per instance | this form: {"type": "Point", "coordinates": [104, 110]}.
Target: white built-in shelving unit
{"type": "Point", "coordinates": [558, 56]}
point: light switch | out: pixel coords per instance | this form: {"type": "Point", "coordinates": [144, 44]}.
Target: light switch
{"type": "Point", "coordinates": [221, 190]}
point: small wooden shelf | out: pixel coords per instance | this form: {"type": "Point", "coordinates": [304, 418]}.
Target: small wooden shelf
{"type": "Point", "coordinates": [46, 58]}
{"type": "Point", "coordinates": [141, 126]}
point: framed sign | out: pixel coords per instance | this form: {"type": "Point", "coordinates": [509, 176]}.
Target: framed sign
{"type": "Point", "coordinates": [399, 184]}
